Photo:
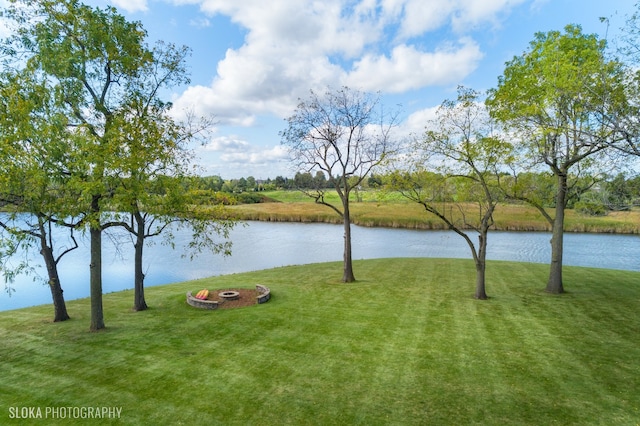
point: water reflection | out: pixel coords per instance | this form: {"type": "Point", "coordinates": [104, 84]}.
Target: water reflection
{"type": "Point", "coordinates": [262, 245]}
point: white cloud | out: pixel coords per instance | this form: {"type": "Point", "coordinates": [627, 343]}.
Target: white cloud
{"type": "Point", "coordinates": [200, 23]}
{"type": "Point", "coordinates": [422, 16]}
{"type": "Point", "coordinates": [417, 122]}
{"type": "Point", "coordinates": [408, 68]}
{"type": "Point", "coordinates": [323, 25]}
{"type": "Point", "coordinates": [472, 13]}
{"type": "Point", "coordinates": [227, 144]}
{"type": "Point", "coordinates": [259, 79]}
{"type": "Point", "coordinates": [235, 150]}
{"type": "Point", "coordinates": [291, 47]}
{"type": "Point", "coordinates": [131, 6]}
{"type": "Point", "coordinates": [233, 157]}
{"type": "Point", "coordinates": [417, 17]}
{"type": "Point", "coordinates": [261, 156]}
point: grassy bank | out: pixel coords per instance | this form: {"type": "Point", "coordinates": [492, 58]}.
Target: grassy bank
{"type": "Point", "coordinates": [377, 209]}
{"type": "Point", "coordinates": [406, 344]}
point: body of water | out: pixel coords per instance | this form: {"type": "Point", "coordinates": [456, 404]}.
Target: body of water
{"type": "Point", "coordinates": [263, 245]}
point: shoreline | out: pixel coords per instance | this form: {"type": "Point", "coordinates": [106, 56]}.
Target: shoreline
{"type": "Point", "coordinates": [379, 209]}
{"type": "Point", "coordinates": [574, 223]}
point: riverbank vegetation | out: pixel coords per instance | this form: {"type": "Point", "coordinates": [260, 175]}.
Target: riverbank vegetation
{"type": "Point", "coordinates": [612, 193]}
{"type": "Point", "coordinates": [377, 208]}
{"type": "Point", "coordinates": [611, 206]}
{"type": "Point", "coordinates": [407, 343]}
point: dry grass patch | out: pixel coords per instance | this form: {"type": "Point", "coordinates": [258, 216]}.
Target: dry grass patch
{"type": "Point", "coordinates": [397, 213]}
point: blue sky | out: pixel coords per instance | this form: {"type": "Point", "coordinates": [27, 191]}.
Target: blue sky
{"type": "Point", "coordinates": [253, 59]}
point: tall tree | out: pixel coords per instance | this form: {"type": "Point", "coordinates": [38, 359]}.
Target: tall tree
{"type": "Point", "coordinates": [155, 160]}
{"type": "Point", "coordinates": [344, 134]}
{"type": "Point", "coordinates": [93, 55]}
{"type": "Point", "coordinates": [456, 164]}
{"type": "Point", "coordinates": [33, 170]}
{"type": "Point", "coordinates": [166, 208]}
{"type": "Point", "coordinates": [557, 99]}
{"type": "Point", "coordinates": [108, 83]}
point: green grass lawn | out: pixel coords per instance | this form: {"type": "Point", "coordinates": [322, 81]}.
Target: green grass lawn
{"type": "Point", "coordinates": [406, 344]}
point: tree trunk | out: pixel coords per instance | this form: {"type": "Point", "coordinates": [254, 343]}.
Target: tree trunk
{"type": "Point", "coordinates": [554, 285]}
{"type": "Point", "coordinates": [481, 266]}
{"type": "Point", "coordinates": [95, 272]}
{"type": "Point", "coordinates": [59, 306]}
{"type": "Point", "coordinates": [139, 303]}
{"type": "Point", "coordinates": [347, 276]}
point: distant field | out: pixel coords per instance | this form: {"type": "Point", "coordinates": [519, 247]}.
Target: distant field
{"type": "Point", "coordinates": [391, 210]}
{"type": "Point", "coordinates": [405, 345]}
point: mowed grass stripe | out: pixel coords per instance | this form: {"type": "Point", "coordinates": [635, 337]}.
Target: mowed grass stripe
{"type": "Point", "coordinates": [405, 344]}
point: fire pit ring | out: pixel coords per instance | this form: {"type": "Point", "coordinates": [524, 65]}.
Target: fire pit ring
{"type": "Point", "coordinates": [229, 295]}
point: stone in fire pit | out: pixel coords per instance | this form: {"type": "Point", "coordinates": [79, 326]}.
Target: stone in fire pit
{"type": "Point", "coordinates": [229, 295]}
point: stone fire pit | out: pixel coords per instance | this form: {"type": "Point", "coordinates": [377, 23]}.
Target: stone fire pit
{"type": "Point", "coordinates": [231, 298]}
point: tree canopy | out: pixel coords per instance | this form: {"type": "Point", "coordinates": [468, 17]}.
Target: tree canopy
{"type": "Point", "coordinates": [344, 134]}
{"type": "Point", "coordinates": [458, 161]}
{"type": "Point", "coordinates": [558, 100]}
{"type": "Point", "coordinates": [106, 85]}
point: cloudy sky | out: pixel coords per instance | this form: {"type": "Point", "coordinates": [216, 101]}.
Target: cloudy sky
{"type": "Point", "coordinates": [253, 59]}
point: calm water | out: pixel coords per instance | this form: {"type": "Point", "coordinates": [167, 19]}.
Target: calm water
{"type": "Point", "coordinates": [262, 245]}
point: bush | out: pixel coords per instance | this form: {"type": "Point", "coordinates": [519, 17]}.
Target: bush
{"type": "Point", "coordinates": [253, 198]}
{"type": "Point", "coordinates": [207, 196]}
{"type": "Point", "coordinates": [591, 208]}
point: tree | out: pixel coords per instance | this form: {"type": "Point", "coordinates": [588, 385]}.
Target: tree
{"type": "Point", "coordinates": [32, 174]}
{"type": "Point", "coordinates": [459, 159]}
{"type": "Point", "coordinates": [251, 184]}
{"type": "Point", "coordinates": [107, 83]}
{"type": "Point", "coordinates": [617, 193]}
{"type": "Point", "coordinates": [303, 181]}
{"type": "Point", "coordinates": [242, 184]}
{"type": "Point", "coordinates": [628, 124]}
{"type": "Point", "coordinates": [280, 182]}
{"type": "Point", "coordinates": [154, 162]}
{"type": "Point", "coordinates": [344, 135]}
{"type": "Point", "coordinates": [26, 231]}
{"type": "Point", "coordinates": [166, 207]}
{"type": "Point", "coordinates": [558, 99]}
{"type": "Point", "coordinates": [319, 180]}
{"type": "Point", "coordinates": [374, 181]}
{"type": "Point", "coordinates": [614, 194]}
{"type": "Point", "coordinates": [93, 55]}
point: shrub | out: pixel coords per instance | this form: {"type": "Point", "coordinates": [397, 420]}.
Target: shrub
{"type": "Point", "coordinates": [591, 208]}
{"type": "Point", "coordinates": [208, 197]}
{"type": "Point", "coordinates": [253, 198]}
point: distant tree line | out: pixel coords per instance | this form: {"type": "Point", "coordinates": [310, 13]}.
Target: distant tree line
{"type": "Point", "coordinates": [594, 195]}
{"type": "Point", "coordinates": [251, 184]}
